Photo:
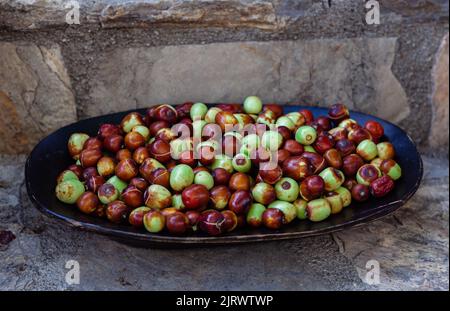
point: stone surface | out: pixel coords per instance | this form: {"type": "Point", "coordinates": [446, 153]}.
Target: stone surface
{"type": "Point", "coordinates": [411, 247]}
{"type": "Point", "coordinates": [35, 95]}
{"type": "Point", "coordinates": [257, 14]}
{"type": "Point", "coordinates": [356, 72]}
{"type": "Point", "coordinates": [439, 137]}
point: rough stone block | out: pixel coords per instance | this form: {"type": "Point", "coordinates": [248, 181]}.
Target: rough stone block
{"type": "Point", "coordinates": [35, 95]}
{"type": "Point", "coordinates": [439, 137]}
{"type": "Point", "coordinates": [356, 72]}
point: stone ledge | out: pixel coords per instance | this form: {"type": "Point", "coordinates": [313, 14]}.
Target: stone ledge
{"type": "Point", "coordinates": [271, 15]}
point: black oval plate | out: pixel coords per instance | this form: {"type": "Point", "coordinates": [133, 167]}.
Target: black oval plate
{"type": "Point", "coordinates": [50, 157]}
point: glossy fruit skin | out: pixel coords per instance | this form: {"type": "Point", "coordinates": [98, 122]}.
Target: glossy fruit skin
{"type": "Point", "coordinates": [75, 144]}
{"type": "Point", "coordinates": [136, 217]}
{"type": "Point", "coordinates": [132, 197]}
{"type": "Point", "coordinates": [375, 129]}
{"type": "Point", "coordinates": [166, 212]}
{"type": "Point", "coordinates": [152, 220]}
{"type": "Point", "coordinates": [224, 162]}
{"type": "Point", "coordinates": [139, 183]}
{"type": "Point", "coordinates": [297, 168]}
{"type": "Point", "coordinates": [198, 111]}
{"type": "Point", "coordinates": [107, 129]}
{"type": "Point", "coordinates": [323, 143]}
{"type": "Point", "coordinates": [220, 196]}
{"type": "Point", "coordinates": [87, 202]}
{"type": "Point", "coordinates": [66, 175]}
{"type": "Point", "coordinates": [119, 184]}
{"type": "Point", "coordinates": [385, 150]}
{"type": "Point", "coordinates": [312, 187]}
{"type": "Point", "coordinates": [308, 115]}
{"type": "Point", "coordinates": [140, 154]}
{"type": "Point", "coordinates": [323, 122]}
{"type": "Point", "coordinates": [252, 104]}
{"type": "Point", "coordinates": [113, 143]}
{"type": "Point", "coordinates": [264, 193]}
{"type": "Point", "coordinates": [160, 150]}
{"type": "Point", "coordinates": [134, 140]}
{"type": "Point", "coordinates": [221, 176]}
{"type": "Point", "coordinates": [286, 125]}
{"type": "Point", "coordinates": [300, 208]}
{"type": "Point", "coordinates": [160, 176]}
{"type": "Point", "coordinates": [270, 172]}
{"type": "Point", "coordinates": [273, 218]}
{"type": "Point", "coordinates": [367, 174]}
{"type": "Point", "coordinates": [126, 169]}
{"type": "Point", "coordinates": [107, 193]}
{"type": "Point", "coordinates": [131, 120]}
{"type": "Point", "coordinates": [297, 118]}
{"type": "Point", "coordinates": [306, 135]}
{"type": "Point", "coordinates": [156, 126]}
{"type": "Point", "coordinates": [317, 161]}
{"type": "Point", "coordinates": [345, 195]}
{"type": "Point", "coordinates": [204, 178]}
{"type": "Point", "coordinates": [367, 150]}
{"type": "Point", "coordinates": [381, 186]}
{"type": "Point", "coordinates": [148, 166]}
{"type": "Point", "coordinates": [259, 155]}
{"type": "Point", "coordinates": [333, 178]}
{"type": "Point", "coordinates": [240, 202]}
{"type": "Point", "coordinates": [288, 209]}
{"type": "Point", "coordinates": [359, 134]}
{"type": "Point", "coordinates": [230, 145]}
{"type": "Point", "coordinates": [333, 158]}
{"type": "Point", "coordinates": [318, 210]}
{"type": "Point", "coordinates": [334, 199]}
{"type": "Point", "coordinates": [123, 154]}
{"type": "Point", "coordinates": [239, 181]}
{"type": "Point", "coordinates": [88, 172]}
{"type": "Point", "coordinates": [93, 143]}
{"type": "Point", "coordinates": [338, 133]}
{"type": "Point", "coordinates": [90, 157]}
{"type": "Point", "coordinates": [157, 197]}
{"type": "Point", "coordinates": [349, 183]}
{"type": "Point", "coordinates": [117, 212]}
{"type": "Point", "coordinates": [254, 215]}
{"type": "Point", "coordinates": [177, 223]}
{"type": "Point", "coordinates": [165, 113]}
{"type": "Point", "coordinates": [266, 117]}
{"type": "Point", "coordinates": [338, 112]}
{"type": "Point", "coordinates": [211, 222]}
{"type": "Point", "coordinates": [351, 164]}
{"type": "Point", "coordinates": [187, 157]}
{"type": "Point", "coordinates": [294, 147]}
{"type": "Point", "coordinates": [230, 221]}
{"type": "Point", "coordinates": [143, 130]}
{"type": "Point", "coordinates": [281, 156]}
{"type": "Point", "coordinates": [193, 217]}
{"type": "Point", "coordinates": [94, 182]}
{"type": "Point", "coordinates": [69, 191]}
{"type": "Point", "coordinates": [345, 147]}
{"type": "Point", "coordinates": [106, 166]}
{"type": "Point", "coordinates": [241, 163]}
{"type": "Point", "coordinates": [391, 168]}
{"type": "Point", "coordinates": [226, 120]}
{"type": "Point", "coordinates": [206, 155]}
{"type": "Point", "coordinates": [181, 177]}
{"type": "Point", "coordinates": [360, 193]}
{"type": "Point", "coordinates": [287, 189]}
{"type": "Point", "coordinates": [76, 169]}
{"type": "Point", "coordinates": [271, 140]}
{"type": "Point", "coordinates": [195, 197]}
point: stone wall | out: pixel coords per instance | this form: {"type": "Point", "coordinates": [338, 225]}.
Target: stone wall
{"type": "Point", "coordinates": [127, 54]}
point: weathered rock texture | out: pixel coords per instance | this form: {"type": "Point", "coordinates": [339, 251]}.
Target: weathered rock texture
{"type": "Point", "coordinates": [411, 247]}
{"type": "Point", "coordinates": [356, 72]}
{"type": "Point", "coordinates": [309, 51]}
{"type": "Point", "coordinates": [35, 95]}
{"type": "Point", "coordinates": [439, 136]}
